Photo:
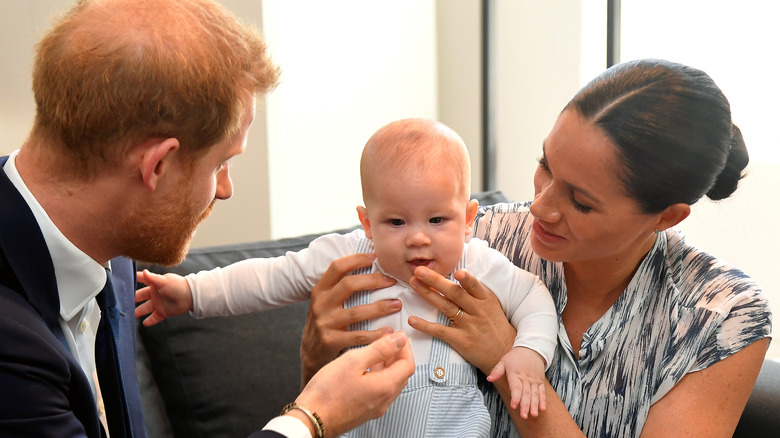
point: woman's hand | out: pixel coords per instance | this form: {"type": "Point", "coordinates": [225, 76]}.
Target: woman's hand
{"type": "Point", "coordinates": [480, 331]}
{"type": "Point", "coordinates": [325, 334]}
{"type": "Point", "coordinates": [482, 335]}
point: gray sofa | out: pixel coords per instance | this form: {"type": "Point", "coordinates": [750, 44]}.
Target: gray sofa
{"type": "Point", "coordinates": [226, 377]}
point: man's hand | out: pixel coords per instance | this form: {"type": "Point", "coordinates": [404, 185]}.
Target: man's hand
{"type": "Point", "coordinates": [345, 395]}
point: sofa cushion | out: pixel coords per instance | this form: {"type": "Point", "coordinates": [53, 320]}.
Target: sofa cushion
{"type": "Point", "coordinates": [226, 377]}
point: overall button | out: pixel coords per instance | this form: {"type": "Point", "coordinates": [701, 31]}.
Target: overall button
{"type": "Point", "coordinates": [439, 372]}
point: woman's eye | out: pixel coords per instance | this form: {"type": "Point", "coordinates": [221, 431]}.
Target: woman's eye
{"type": "Point", "coordinates": [396, 222]}
{"type": "Point", "coordinates": [436, 220]}
{"type": "Point", "coordinates": [580, 207]}
{"type": "Point", "coordinates": [543, 164]}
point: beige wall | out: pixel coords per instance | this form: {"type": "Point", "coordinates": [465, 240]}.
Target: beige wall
{"type": "Point", "coordinates": [743, 230]}
{"type": "Point", "coordinates": [459, 51]}
{"type": "Point", "coordinates": [348, 68]}
{"type": "Point", "coordinates": [538, 71]}
{"type": "Point", "coordinates": [21, 24]}
{"type": "Point", "coordinates": [244, 218]}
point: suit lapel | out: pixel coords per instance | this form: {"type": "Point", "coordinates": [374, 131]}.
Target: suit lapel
{"type": "Point", "coordinates": [27, 255]}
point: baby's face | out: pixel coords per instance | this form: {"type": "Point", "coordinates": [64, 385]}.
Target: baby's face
{"type": "Point", "coordinates": [418, 222]}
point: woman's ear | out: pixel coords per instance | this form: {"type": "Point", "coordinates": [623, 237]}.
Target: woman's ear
{"type": "Point", "coordinates": [471, 213]}
{"type": "Point", "coordinates": [156, 157]}
{"type": "Point", "coordinates": [363, 216]}
{"type": "Point", "coordinates": [672, 215]}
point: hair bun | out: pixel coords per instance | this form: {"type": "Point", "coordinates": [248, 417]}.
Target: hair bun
{"type": "Point", "coordinates": [728, 179]}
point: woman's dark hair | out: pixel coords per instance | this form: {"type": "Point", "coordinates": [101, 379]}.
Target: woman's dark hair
{"type": "Point", "coordinates": [672, 126]}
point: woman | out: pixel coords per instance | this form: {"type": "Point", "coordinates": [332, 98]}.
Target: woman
{"type": "Point", "coordinates": [656, 337]}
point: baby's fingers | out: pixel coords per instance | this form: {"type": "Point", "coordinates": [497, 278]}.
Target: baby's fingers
{"type": "Point", "coordinates": [532, 399]}
{"type": "Point", "coordinates": [152, 319]}
{"type": "Point", "coordinates": [150, 278]}
{"type": "Point", "coordinates": [143, 309]}
{"type": "Point", "coordinates": [498, 372]}
{"type": "Point", "coordinates": [143, 294]}
{"type": "Point", "coordinates": [520, 397]}
{"type": "Point", "coordinates": [542, 405]}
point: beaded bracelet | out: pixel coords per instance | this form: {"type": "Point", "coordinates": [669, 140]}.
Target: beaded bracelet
{"type": "Point", "coordinates": [318, 426]}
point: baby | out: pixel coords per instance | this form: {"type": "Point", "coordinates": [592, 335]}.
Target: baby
{"type": "Point", "coordinates": [416, 176]}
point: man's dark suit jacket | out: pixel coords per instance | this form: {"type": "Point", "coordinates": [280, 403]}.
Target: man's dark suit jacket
{"type": "Point", "coordinates": [43, 390]}
{"type": "Point", "coordinates": [265, 434]}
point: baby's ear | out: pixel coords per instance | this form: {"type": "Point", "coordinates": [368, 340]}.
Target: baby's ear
{"type": "Point", "coordinates": [363, 216]}
{"type": "Point", "coordinates": [471, 214]}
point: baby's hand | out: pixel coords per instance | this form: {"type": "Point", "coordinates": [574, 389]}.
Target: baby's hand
{"type": "Point", "coordinates": [164, 296]}
{"type": "Point", "coordinates": [524, 370]}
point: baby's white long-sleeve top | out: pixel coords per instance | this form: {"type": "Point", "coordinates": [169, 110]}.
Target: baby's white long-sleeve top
{"type": "Point", "coordinates": [260, 284]}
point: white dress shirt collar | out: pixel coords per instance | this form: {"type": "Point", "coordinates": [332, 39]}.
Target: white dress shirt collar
{"type": "Point", "coordinates": [79, 277]}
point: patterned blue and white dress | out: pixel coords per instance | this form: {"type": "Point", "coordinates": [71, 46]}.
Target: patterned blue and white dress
{"type": "Point", "coordinates": [683, 311]}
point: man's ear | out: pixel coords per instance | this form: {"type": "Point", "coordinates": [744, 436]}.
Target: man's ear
{"type": "Point", "coordinates": [363, 216]}
{"type": "Point", "coordinates": [156, 157]}
{"type": "Point", "coordinates": [471, 214]}
{"type": "Point", "coordinates": [672, 215]}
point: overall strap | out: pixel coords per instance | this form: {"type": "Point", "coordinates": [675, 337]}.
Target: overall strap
{"type": "Point", "coordinates": [360, 297]}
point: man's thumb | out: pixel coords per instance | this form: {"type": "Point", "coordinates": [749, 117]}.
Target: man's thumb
{"type": "Point", "coordinates": [385, 348]}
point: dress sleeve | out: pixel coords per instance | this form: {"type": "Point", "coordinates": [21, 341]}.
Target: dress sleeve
{"type": "Point", "coordinates": [719, 311]}
{"type": "Point", "coordinates": [747, 318]}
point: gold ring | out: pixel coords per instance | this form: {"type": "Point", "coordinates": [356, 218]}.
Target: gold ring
{"type": "Point", "coordinates": [457, 317]}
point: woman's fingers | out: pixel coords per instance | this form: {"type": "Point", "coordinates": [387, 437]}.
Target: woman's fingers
{"type": "Point", "coordinates": [326, 308]}
{"type": "Point", "coordinates": [447, 296]}
{"type": "Point", "coordinates": [365, 312]}
{"type": "Point", "coordinates": [337, 284]}
{"type": "Point", "coordinates": [479, 330]}
{"type": "Point", "coordinates": [325, 334]}
{"type": "Point", "coordinates": [338, 293]}
{"type": "Point", "coordinates": [434, 329]}
{"type": "Point", "coordinates": [341, 267]}
{"type": "Point", "coordinates": [448, 307]}
{"type": "Point", "coordinates": [462, 293]}
{"type": "Point", "coordinates": [471, 285]}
